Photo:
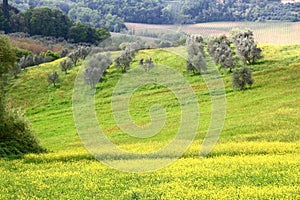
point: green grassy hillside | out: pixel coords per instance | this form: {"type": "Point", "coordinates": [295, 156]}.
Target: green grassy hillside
{"type": "Point", "coordinates": [257, 155]}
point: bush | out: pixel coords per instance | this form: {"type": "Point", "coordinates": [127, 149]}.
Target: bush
{"type": "Point", "coordinates": [241, 78]}
{"type": "Point", "coordinates": [22, 52]}
{"type": "Point", "coordinates": [54, 56]}
{"type": "Point", "coordinates": [63, 53]}
{"type": "Point", "coordinates": [16, 136]}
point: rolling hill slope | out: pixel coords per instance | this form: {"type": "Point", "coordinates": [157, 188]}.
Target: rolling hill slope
{"type": "Point", "coordinates": [257, 155]}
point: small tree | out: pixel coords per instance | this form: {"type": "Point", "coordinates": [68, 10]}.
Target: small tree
{"type": "Point", "coordinates": [219, 49]}
{"type": "Point", "coordinates": [53, 78]}
{"type": "Point", "coordinates": [246, 47]}
{"type": "Point", "coordinates": [241, 78]}
{"type": "Point", "coordinates": [123, 61]}
{"type": "Point", "coordinates": [196, 58]}
{"type": "Point", "coordinates": [83, 52]}
{"type": "Point", "coordinates": [96, 68]}
{"type": "Point", "coordinates": [147, 65]}
{"type": "Point", "coordinates": [66, 65]}
{"type": "Point", "coordinates": [74, 57]}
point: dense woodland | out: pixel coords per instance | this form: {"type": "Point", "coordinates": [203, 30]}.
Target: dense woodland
{"type": "Point", "coordinates": [90, 21]}
{"type": "Point", "coordinates": [50, 22]}
{"type": "Point", "coordinates": [112, 13]}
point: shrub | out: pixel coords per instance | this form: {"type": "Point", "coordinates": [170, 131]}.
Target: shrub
{"type": "Point", "coordinates": [63, 53]}
{"type": "Point", "coordinates": [16, 136]}
{"type": "Point", "coordinates": [54, 56]}
{"type": "Point", "coordinates": [22, 52]}
{"type": "Point", "coordinates": [241, 78]}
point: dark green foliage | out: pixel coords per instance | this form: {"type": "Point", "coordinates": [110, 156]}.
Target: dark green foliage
{"type": "Point", "coordinates": [21, 53]}
{"type": "Point", "coordinates": [112, 13]}
{"type": "Point", "coordinates": [54, 56]}
{"type": "Point", "coordinates": [241, 78]}
{"type": "Point", "coordinates": [96, 68]}
{"type": "Point", "coordinates": [5, 16]}
{"type": "Point", "coordinates": [53, 78]}
{"type": "Point", "coordinates": [85, 34]}
{"type": "Point", "coordinates": [52, 22]}
{"type": "Point", "coordinates": [80, 33]}
{"type": "Point", "coordinates": [242, 10]}
{"type": "Point", "coordinates": [42, 21]}
{"type": "Point", "coordinates": [15, 70]}
{"type": "Point", "coordinates": [16, 135]}
{"type": "Point", "coordinates": [7, 55]}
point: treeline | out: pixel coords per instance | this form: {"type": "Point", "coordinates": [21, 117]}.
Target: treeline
{"type": "Point", "coordinates": [50, 22]}
{"type": "Point", "coordinates": [113, 13]}
{"type": "Point", "coordinates": [232, 10]}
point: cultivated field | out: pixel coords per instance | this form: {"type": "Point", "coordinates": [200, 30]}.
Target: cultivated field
{"type": "Point", "coordinates": [265, 33]}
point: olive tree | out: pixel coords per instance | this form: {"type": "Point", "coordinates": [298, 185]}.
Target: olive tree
{"type": "Point", "coordinates": [147, 64]}
{"type": "Point", "coordinates": [53, 78]}
{"type": "Point", "coordinates": [241, 78]}
{"type": "Point", "coordinates": [96, 68]}
{"type": "Point", "coordinates": [123, 62]}
{"type": "Point", "coordinates": [74, 57]}
{"type": "Point", "coordinates": [196, 56]}
{"type": "Point", "coordinates": [83, 52]}
{"type": "Point", "coordinates": [219, 49]}
{"type": "Point", "coordinates": [66, 65]}
{"type": "Point", "coordinates": [246, 47]}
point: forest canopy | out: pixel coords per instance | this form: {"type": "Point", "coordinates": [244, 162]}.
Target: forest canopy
{"type": "Point", "coordinates": [50, 22]}
{"type": "Point", "coordinates": [113, 13]}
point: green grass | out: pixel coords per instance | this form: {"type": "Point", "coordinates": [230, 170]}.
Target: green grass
{"type": "Point", "coordinates": [257, 156]}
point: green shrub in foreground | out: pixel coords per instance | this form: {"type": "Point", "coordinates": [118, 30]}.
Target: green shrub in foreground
{"type": "Point", "coordinates": [15, 134]}
{"type": "Point", "coordinates": [16, 137]}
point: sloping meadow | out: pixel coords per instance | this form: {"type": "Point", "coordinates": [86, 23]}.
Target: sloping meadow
{"type": "Point", "coordinates": [257, 155]}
